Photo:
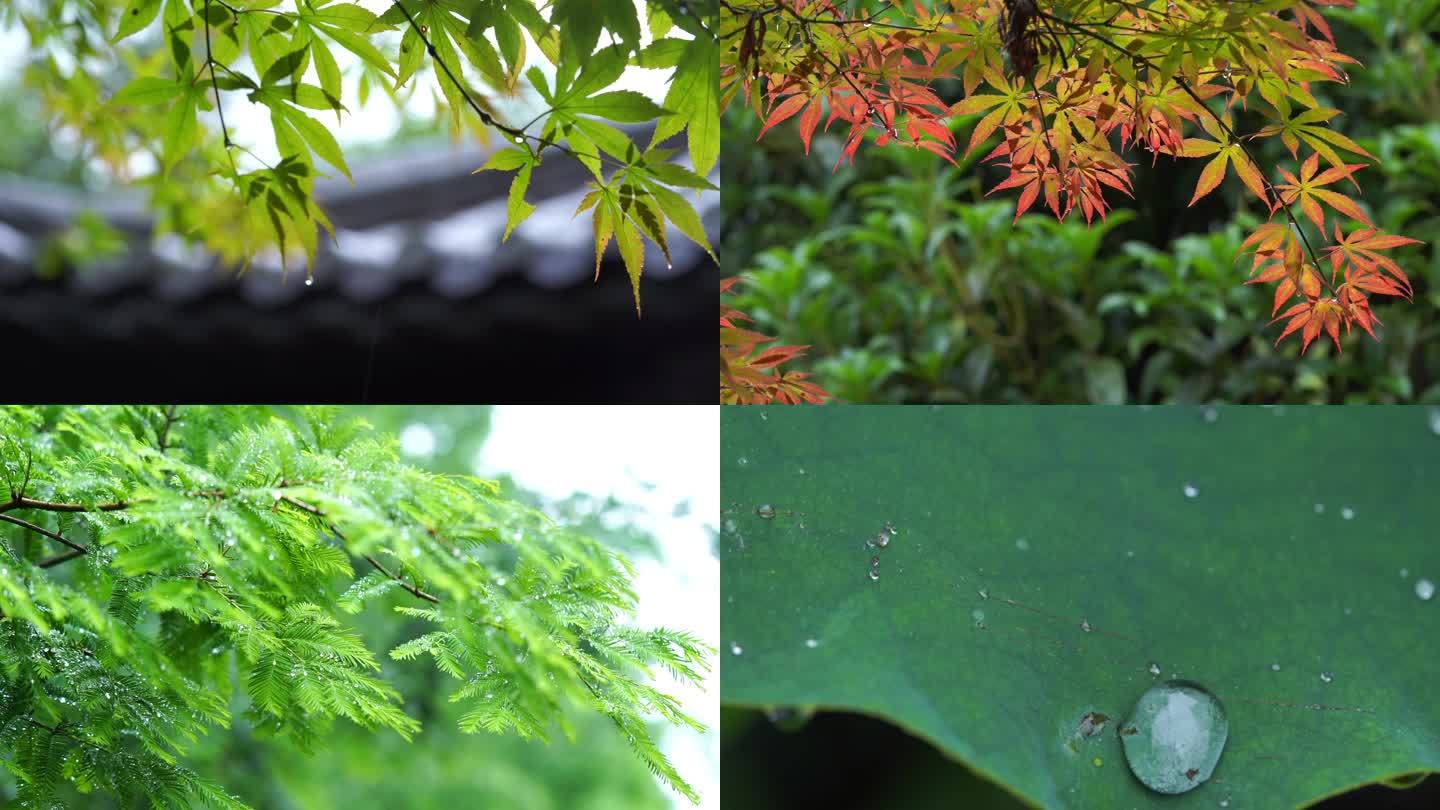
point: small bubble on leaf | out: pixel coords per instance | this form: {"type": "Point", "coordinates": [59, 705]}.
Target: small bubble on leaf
{"type": "Point", "coordinates": [1425, 589]}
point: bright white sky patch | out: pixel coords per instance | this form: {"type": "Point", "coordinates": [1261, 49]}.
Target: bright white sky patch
{"type": "Point", "coordinates": [653, 457]}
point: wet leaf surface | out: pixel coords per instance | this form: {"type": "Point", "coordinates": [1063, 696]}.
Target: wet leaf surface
{"type": "Point", "coordinates": [1044, 558]}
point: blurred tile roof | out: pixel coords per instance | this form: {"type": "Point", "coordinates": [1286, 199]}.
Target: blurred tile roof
{"type": "Point", "coordinates": [418, 266]}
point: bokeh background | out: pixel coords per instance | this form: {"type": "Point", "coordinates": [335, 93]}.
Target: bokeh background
{"type": "Point", "coordinates": [911, 286]}
{"type": "Point", "coordinates": [642, 480]}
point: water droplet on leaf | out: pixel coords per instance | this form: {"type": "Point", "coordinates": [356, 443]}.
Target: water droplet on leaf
{"type": "Point", "coordinates": [1347, 513]}
{"type": "Point", "coordinates": [1022, 544]}
{"type": "Point", "coordinates": [1174, 736]}
{"type": "Point", "coordinates": [874, 574]}
{"type": "Point", "coordinates": [984, 594]}
{"type": "Point", "coordinates": [1424, 589]}
{"type": "Point", "coordinates": [1085, 625]}
{"type": "Point", "coordinates": [1319, 508]}
{"type": "Point", "coordinates": [1326, 677]}
{"type": "Point", "coordinates": [1191, 491]}
{"type": "Point", "coordinates": [310, 282]}
{"type": "Point", "coordinates": [1155, 669]}
{"type": "Point", "coordinates": [811, 643]}
{"type": "Point", "coordinates": [736, 649]}
{"type": "Point", "coordinates": [1274, 667]}
{"type": "Point", "coordinates": [765, 510]}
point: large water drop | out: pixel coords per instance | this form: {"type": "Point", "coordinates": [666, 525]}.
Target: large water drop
{"type": "Point", "coordinates": [1174, 736]}
{"type": "Point", "coordinates": [765, 511]}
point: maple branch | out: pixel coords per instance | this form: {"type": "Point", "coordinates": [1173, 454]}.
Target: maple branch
{"type": "Point", "coordinates": [219, 108]}
{"type": "Point", "coordinates": [516, 135]}
{"type": "Point", "coordinates": [1083, 29]}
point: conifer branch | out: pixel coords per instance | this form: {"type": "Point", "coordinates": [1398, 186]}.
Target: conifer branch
{"type": "Point", "coordinates": [22, 502]}
{"type": "Point", "coordinates": [77, 547]}
{"type": "Point", "coordinates": [170, 413]}
{"type": "Point", "coordinates": [434, 600]}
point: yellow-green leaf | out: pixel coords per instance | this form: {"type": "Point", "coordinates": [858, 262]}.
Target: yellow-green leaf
{"type": "Point", "coordinates": [137, 15]}
{"type": "Point", "coordinates": [517, 209]}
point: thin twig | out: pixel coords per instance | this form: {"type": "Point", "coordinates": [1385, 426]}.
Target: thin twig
{"type": "Point", "coordinates": [164, 437]}
{"type": "Point", "coordinates": [517, 135]}
{"type": "Point", "coordinates": [25, 524]}
{"type": "Point", "coordinates": [407, 586]}
{"type": "Point", "coordinates": [22, 502]}
{"type": "Point", "coordinates": [219, 108]}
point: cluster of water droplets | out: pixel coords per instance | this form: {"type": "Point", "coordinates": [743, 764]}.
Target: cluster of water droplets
{"type": "Point", "coordinates": [879, 541]}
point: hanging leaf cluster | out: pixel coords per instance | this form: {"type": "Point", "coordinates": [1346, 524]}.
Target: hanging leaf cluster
{"type": "Point", "coordinates": [1063, 88]}
{"type": "Point", "coordinates": [192, 63]}
{"type": "Point", "coordinates": [750, 372]}
{"type": "Point", "coordinates": [161, 568]}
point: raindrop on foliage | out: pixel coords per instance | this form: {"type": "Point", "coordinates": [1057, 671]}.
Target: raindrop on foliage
{"type": "Point", "coordinates": [1085, 625]}
{"type": "Point", "coordinates": [1424, 589]}
{"type": "Point", "coordinates": [1274, 667]}
{"type": "Point", "coordinates": [984, 594]}
{"type": "Point", "coordinates": [1022, 544]}
{"type": "Point", "coordinates": [1347, 513]}
{"type": "Point", "coordinates": [811, 643]}
{"type": "Point", "coordinates": [1191, 491]}
{"type": "Point", "coordinates": [765, 510]}
{"type": "Point", "coordinates": [874, 574]}
{"type": "Point", "coordinates": [1174, 736]}
{"type": "Point", "coordinates": [1211, 415]}
{"type": "Point", "coordinates": [735, 648]}
{"type": "Point", "coordinates": [743, 461]}
{"type": "Point", "coordinates": [1319, 508]}
{"type": "Point", "coordinates": [1404, 572]}
{"type": "Point", "coordinates": [1155, 669]}
{"type": "Point", "coordinates": [1326, 677]}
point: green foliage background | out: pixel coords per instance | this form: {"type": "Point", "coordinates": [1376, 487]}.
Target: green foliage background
{"type": "Point", "coordinates": [303, 761]}
{"type": "Point", "coordinates": [911, 286]}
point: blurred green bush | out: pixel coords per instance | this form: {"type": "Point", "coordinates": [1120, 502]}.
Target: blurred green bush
{"type": "Point", "coordinates": [911, 286]}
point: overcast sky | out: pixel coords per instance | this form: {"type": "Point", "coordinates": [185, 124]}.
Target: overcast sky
{"type": "Point", "coordinates": [654, 457]}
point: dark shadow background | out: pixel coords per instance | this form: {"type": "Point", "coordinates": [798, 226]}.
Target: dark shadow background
{"type": "Point", "coordinates": [852, 762]}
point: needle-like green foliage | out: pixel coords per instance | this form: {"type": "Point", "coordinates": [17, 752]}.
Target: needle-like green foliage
{"type": "Point", "coordinates": [159, 565]}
